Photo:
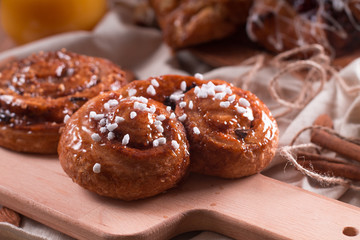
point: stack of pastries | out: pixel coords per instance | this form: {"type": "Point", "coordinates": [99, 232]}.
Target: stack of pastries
{"type": "Point", "coordinates": [135, 140]}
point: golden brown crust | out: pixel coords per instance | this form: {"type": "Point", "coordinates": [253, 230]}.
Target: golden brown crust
{"type": "Point", "coordinates": [189, 22]}
{"type": "Point", "coordinates": [38, 139]}
{"type": "Point", "coordinates": [153, 158]}
{"type": "Point", "coordinates": [217, 150]}
{"type": "Point", "coordinates": [37, 92]}
{"type": "Point", "coordinates": [164, 86]}
{"type": "Point", "coordinates": [231, 132]}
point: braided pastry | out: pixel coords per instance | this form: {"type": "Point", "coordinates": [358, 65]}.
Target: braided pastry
{"type": "Point", "coordinates": [38, 92]}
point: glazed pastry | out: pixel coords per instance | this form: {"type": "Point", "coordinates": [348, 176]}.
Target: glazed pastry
{"type": "Point", "coordinates": [231, 132]}
{"type": "Point", "coordinates": [39, 92]}
{"type": "Point", "coordinates": [286, 24]}
{"type": "Point", "coordinates": [277, 25]}
{"type": "Point", "coordinates": [130, 144]}
{"type": "Point", "coordinates": [189, 22]}
{"type": "Point", "coordinates": [124, 147]}
{"type": "Point", "coordinates": [167, 89]}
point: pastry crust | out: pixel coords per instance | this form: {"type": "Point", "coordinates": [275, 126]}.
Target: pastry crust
{"type": "Point", "coordinates": [124, 147]}
{"type": "Point", "coordinates": [189, 22]}
{"type": "Point", "coordinates": [130, 144]}
{"type": "Point", "coordinates": [37, 92]}
{"type": "Point", "coordinates": [217, 150]}
{"type": "Point", "coordinates": [167, 89]}
{"type": "Point", "coordinates": [232, 133]}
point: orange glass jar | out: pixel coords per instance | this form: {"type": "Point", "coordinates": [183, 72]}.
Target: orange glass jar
{"type": "Point", "coordinates": [28, 20]}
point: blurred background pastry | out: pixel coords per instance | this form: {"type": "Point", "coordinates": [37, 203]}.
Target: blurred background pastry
{"type": "Point", "coordinates": [274, 25]}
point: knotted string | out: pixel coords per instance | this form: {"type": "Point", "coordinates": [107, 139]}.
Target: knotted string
{"type": "Point", "coordinates": [256, 62]}
{"type": "Point", "coordinates": [288, 62]}
{"type": "Point", "coordinates": [289, 153]}
{"type": "Point", "coordinates": [311, 58]}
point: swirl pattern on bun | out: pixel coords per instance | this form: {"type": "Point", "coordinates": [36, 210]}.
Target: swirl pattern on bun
{"type": "Point", "coordinates": [39, 92]}
{"type": "Point", "coordinates": [141, 140]}
{"type": "Point", "coordinates": [124, 147]}
{"type": "Point", "coordinates": [231, 132]}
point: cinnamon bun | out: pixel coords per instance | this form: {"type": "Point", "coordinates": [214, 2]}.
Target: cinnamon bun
{"type": "Point", "coordinates": [141, 140]}
{"type": "Point", "coordinates": [124, 147]}
{"type": "Point", "coordinates": [231, 132]}
{"type": "Point", "coordinates": [39, 92]}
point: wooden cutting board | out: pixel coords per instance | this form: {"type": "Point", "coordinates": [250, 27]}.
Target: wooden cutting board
{"type": "Point", "coordinates": [255, 207]}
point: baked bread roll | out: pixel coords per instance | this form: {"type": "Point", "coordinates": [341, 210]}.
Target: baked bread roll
{"type": "Point", "coordinates": [189, 22]}
{"type": "Point", "coordinates": [124, 147]}
{"type": "Point", "coordinates": [130, 144]}
{"type": "Point", "coordinates": [231, 132]}
{"type": "Point", "coordinates": [39, 92]}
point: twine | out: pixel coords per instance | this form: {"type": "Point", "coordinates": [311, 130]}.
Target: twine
{"type": "Point", "coordinates": [318, 67]}
{"type": "Point", "coordinates": [318, 55]}
{"type": "Point", "coordinates": [301, 100]}
{"type": "Point", "coordinates": [288, 153]}
{"type": "Point", "coordinates": [287, 62]}
{"type": "Point", "coordinates": [317, 62]}
{"type": "Point", "coordinates": [257, 63]}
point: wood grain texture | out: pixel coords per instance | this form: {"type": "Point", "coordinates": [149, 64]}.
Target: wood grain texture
{"type": "Point", "coordinates": [255, 207]}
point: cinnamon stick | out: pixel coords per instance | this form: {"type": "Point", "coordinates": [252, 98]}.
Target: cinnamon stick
{"type": "Point", "coordinates": [332, 142]}
{"type": "Point", "coordinates": [10, 216]}
{"type": "Point", "coordinates": [324, 120]}
{"type": "Point", "coordinates": [344, 170]}
{"type": "Point", "coordinates": [301, 155]}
